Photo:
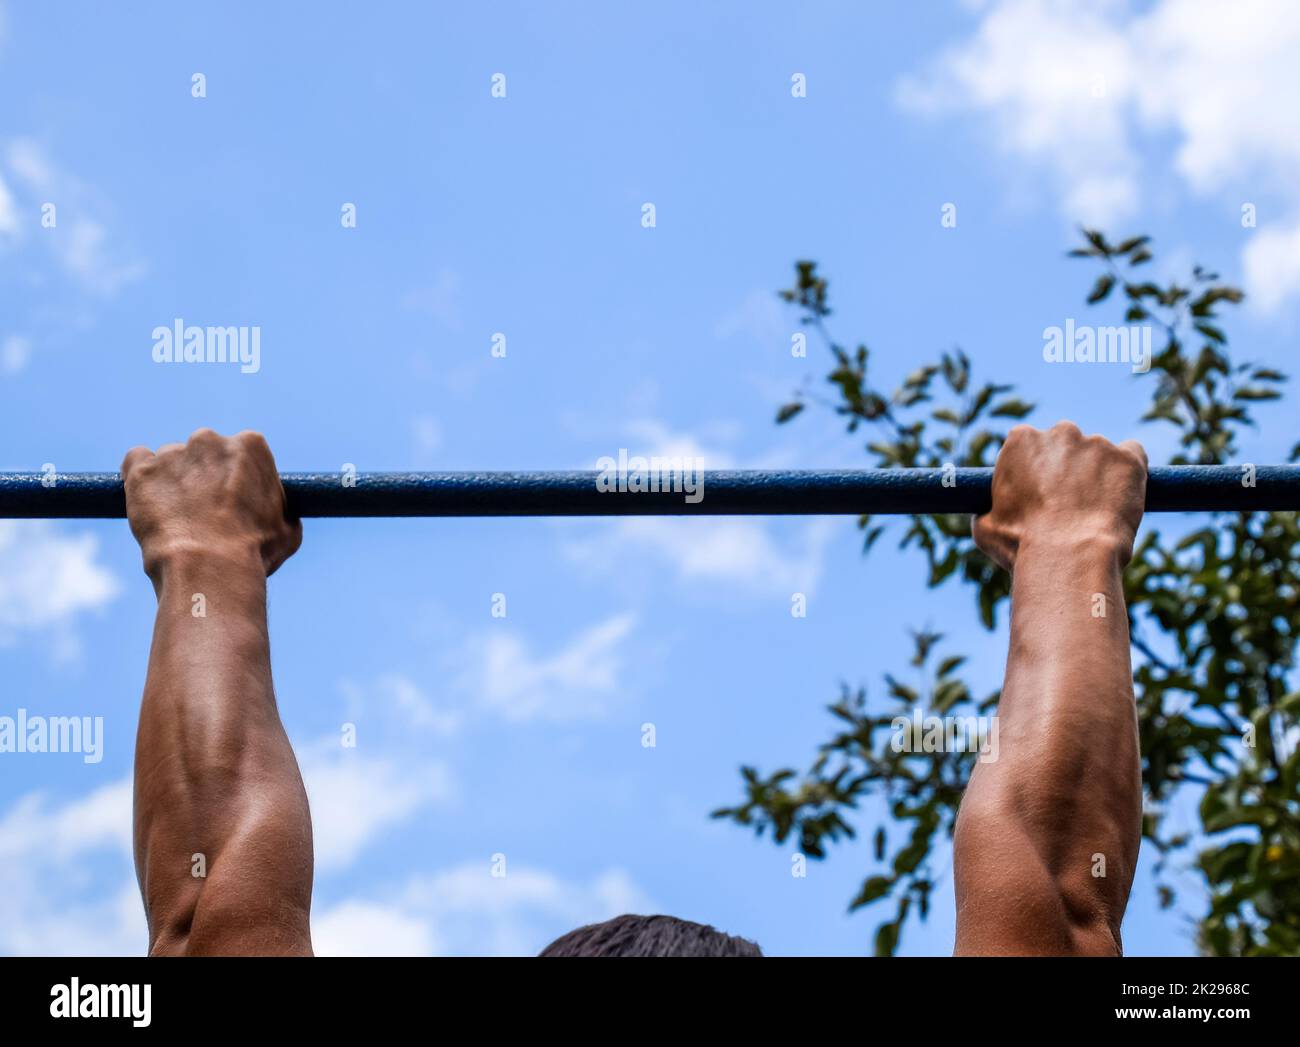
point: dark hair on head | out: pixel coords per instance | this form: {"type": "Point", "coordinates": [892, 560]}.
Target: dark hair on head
{"type": "Point", "coordinates": [649, 936]}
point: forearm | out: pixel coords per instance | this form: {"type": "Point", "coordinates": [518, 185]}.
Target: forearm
{"type": "Point", "coordinates": [1062, 803]}
{"type": "Point", "coordinates": [218, 792]}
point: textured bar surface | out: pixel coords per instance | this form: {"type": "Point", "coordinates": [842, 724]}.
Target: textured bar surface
{"type": "Point", "coordinates": [791, 492]}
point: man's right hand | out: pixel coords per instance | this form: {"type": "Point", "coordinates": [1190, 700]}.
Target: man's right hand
{"type": "Point", "coordinates": [1060, 487]}
{"type": "Point", "coordinates": [1063, 797]}
{"type": "Point", "coordinates": [213, 496]}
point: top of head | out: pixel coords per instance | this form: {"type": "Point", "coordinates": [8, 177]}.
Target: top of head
{"type": "Point", "coordinates": [649, 936]}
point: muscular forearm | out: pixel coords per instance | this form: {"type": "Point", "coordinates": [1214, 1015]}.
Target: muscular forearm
{"type": "Point", "coordinates": [1049, 832]}
{"type": "Point", "coordinates": [217, 788]}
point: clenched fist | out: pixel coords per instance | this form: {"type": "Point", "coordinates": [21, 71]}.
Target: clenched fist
{"type": "Point", "coordinates": [214, 496]}
{"type": "Point", "coordinates": [1060, 487]}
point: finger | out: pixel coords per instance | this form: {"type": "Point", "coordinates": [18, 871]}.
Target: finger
{"type": "Point", "coordinates": [207, 444]}
{"type": "Point", "coordinates": [254, 443]}
{"type": "Point", "coordinates": [256, 452]}
{"type": "Point", "coordinates": [253, 439]}
{"type": "Point", "coordinates": [1136, 450]}
{"type": "Point", "coordinates": [1067, 428]}
{"type": "Point", "coordinates": [134, 457]}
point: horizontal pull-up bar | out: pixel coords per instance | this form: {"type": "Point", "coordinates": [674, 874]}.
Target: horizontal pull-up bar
{"type": "Point", "coordinates": [719, 493]}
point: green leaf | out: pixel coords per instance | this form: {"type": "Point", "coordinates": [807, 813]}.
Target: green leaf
{"type": "Point", "coordinates": [951, 665]}
{"type": "Point", "coordinates": [788, 411]}
{"type": "Point", "coordinates": [1011, 409]}
{"type": "Point", "coordinates": [874, 888]}
{"type": "Point", "coordinates": [1101, 288]}
{"type": "Point", "coordinates": [1216, 601]}
{"type": "Point", "coordinates": [886, 939]}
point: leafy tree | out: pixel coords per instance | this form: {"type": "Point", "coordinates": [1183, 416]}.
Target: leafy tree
{"type": "Point", "coordinates": [1214, 616]}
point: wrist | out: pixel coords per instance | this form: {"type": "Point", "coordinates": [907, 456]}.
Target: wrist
{"type": "Point", "coordinates": [1101, 547]}
{"type": "Point", "coordinates": [197, 558]}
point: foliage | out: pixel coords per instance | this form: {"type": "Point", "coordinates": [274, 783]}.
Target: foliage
{"type": "Point", "coordinates": [1214, 616]}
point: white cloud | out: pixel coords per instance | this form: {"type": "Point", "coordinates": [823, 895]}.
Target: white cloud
{"type": "Point", "coordinates": [85, 253]}
{"type": "Point", "coordinates": [67, 887]}
{"type": "Point", "coordinates": [405, 700]}
{"type": "Point", "coordinates": [651, 437]}
{"type": "Point", "coordinates": [1272, 266]}
{"type": "Point", "coordinates": [759, 316]}
{"type": "Point", "coordinates": [503, 675]}
{"type": "Point", "coordinates": [8, 211]}
{"type": "Point", "coordinates": [742, 552]}
{"type": "Point", "coordinates": [466, 911]}
{"type": "Point", "coordinates": [1090, 91]}
{"type": "Point", "coordinates": [15, 351]}
{"type": "Point", "coordinates": [738, 551]}
{"type": "Point", "coordinates": [354, 797]}
{"type": "Point", "coordinates": [48, 577]}
{"type": "Point", "coordinates": [55, 862]}
{"type": "Point", "coordinates": [34, 826]}
{"type": "Point", "coordinates": [28, 161]}
{"type": "Point", "coordinates": [427, 434]}
{"type": "Point", "coordinates": [80, 240]}
{"type": "Point", "coordinates": [360, 928]}
{"type": "Point", "coordinates": [440, 299]}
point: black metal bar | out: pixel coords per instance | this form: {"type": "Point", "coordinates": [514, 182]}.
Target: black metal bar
{"type": "Point", "coordinates": [1190, 488]}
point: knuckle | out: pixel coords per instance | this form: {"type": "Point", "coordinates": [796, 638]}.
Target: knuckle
{"type": "Point", "coordinates": [135, 459]}
{"type": "Point", "coordinates": [251, 438]}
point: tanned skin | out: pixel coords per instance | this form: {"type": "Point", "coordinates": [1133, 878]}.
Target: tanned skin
{"type": "Point", "coordinates": [1065, 793]}
{"type": "Point", "coordinates": [214, 773]}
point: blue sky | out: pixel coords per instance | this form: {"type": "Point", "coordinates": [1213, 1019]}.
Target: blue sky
{"type": "Point", "coordinates": [522, 215]}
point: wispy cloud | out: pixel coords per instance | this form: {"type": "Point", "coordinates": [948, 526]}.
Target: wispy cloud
{"type": "Point", "coordinates": [66, 881]}
{"type": "Point", "coordinates": [49, 577]}
{"type": "Point", "coordinates": [398, 699]}
{"type": "Point", "coordinates": [440, 298]}
{"type": "Point", "coordinates": [15, 350]}
{"type": "Point", "coordinates": [67, 885]}
{"type": "Point", "coordinates": [744, 553]}
{"type": "Point", "coordinates": [356, 796]}
{"type": "Point", "coordinates": [502, 673]}
{"type": "Point", "coordinates": [1094, 93]}
{"type": "Point", "coordinates": [739, 552]}
{"type": "Point", "coordinates": [759, 317]}
{"type": "Point", "coordinates": [466, 911]}
{"type": "Point", "coordinates": [8, 211]}
{"type": "Point", "coordinates": [427, 436]}
{"type": "Point", "coordinates": [80, 239]}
